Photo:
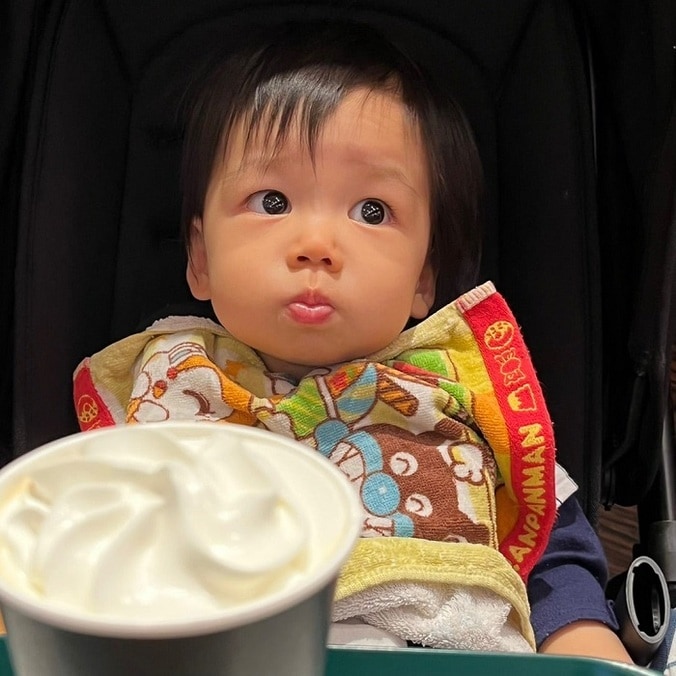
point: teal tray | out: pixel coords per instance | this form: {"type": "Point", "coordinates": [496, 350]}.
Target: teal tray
{"type": "Point", "coordinates": [420, 662]}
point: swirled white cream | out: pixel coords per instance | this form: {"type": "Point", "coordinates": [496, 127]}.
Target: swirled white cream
{"type": "Point", "coordinates": [156, 525]}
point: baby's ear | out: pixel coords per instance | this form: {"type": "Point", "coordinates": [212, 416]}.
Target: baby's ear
{"type": "Point", "coordinates": [425, 292]}
{"type": "Point", "coordinates": [197, 272]}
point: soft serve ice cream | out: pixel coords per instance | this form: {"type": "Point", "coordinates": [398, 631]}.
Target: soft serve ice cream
{"type": "Point", "coordinates": [171, 529]}
{"type": "Point", "coordinates": [168, 522]}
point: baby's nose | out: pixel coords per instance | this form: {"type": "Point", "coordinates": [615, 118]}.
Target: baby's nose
{"type": "Point", "coordinates": [316, 245]}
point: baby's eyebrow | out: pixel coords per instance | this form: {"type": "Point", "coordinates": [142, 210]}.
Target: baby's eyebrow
{"type": "Point", "coordinates": [258, 163]}
{"type": "Point", "coordinates": [261, 162]}
{"type": "Point", "coordinates": [389, 173]}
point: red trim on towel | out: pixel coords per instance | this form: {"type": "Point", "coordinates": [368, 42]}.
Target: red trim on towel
{"type": "Point", "coordinates": [531, 436]}
{"type": "Point", "coordinates": [91, 410]}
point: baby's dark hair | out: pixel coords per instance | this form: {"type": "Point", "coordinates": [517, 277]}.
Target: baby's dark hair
{"type": "Point", "coordinates": [295, 78]}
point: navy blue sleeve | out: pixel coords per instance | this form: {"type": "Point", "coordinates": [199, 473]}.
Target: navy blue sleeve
{"type": "Point", "coordinates": [567, 584]}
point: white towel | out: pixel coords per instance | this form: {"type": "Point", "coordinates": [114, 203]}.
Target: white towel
{"type": "Point", "coordinates": [437, 615]}
{"type": "Point", "coordinates": [357, 634]}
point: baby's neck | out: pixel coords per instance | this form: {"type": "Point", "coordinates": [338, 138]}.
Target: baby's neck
{"type": "Point", "coordinates": [292, 372]}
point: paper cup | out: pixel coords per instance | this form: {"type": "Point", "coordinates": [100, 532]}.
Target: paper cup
{"type": "Point", "coordinates": [280, 631]}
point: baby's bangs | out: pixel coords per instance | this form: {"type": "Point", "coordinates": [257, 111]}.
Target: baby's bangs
{"type": "Point", "coordinates": [300, 102]}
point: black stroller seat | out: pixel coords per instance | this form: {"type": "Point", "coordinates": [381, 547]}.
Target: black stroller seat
{"type": "Point", "coordinates": [93, 205]}
{"type": "Point", "coordinates": [99, 196]}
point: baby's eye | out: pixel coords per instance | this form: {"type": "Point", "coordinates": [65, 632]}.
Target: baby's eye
{"type": "Point", "coordinates": [371, 211]}
{"type": "Point", "coordinates": [270, 202]}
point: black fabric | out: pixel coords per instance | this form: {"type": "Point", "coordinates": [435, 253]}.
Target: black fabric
{"type": "Point", "coordinates": [19, 23]}
{"type": "Point", "coordinates": [70, 207]}
{"type": "Point", "coordinates": [633, 44]}
{"type": "Point", "coordinates": [98, 247]}
{"type": "Point", "coordinates": [548, 246]}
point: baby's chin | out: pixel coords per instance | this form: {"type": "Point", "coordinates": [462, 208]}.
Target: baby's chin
{"type": "Point", "coordinates": [298, 366]}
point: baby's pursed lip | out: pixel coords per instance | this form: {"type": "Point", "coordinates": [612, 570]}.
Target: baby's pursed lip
{"type": "Point", "coordinates": [311, 298]}
{"type": "Point", "coordinates": [310, 307]}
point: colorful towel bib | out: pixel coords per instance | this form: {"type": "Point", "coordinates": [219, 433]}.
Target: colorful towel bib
{"type": "Point", "coordinates": [445, 433]}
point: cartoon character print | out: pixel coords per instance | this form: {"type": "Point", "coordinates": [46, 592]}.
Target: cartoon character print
{"type": "Point", "coordinates": [417, 485]}
{"type": "Point", "coordinates": [419, 472]}
{"type": "Point", "coordinates": [412, 483]}
{"type": "Point", "coordinates": [181, 383]}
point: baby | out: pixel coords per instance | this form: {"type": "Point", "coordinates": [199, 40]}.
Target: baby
{"type": "Point", "coordinates": [330, 194]}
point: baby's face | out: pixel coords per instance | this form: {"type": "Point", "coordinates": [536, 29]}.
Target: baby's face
{"type": "Point", "coordinates": [313, 264]}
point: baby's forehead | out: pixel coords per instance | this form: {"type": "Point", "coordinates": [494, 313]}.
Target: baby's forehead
{"type": "Point", "coordinates": [254, 139]}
